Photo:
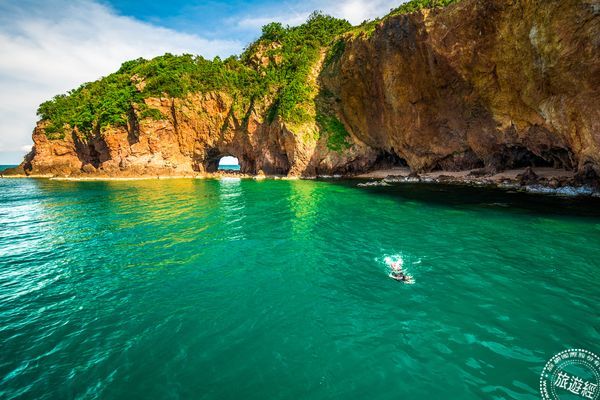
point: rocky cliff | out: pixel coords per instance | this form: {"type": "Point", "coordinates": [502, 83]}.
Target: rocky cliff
{"type": "Point", "coordinates": [492, 84]}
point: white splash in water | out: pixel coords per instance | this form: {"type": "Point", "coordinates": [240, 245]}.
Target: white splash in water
{"type": "Point", "coordinates": [393, 260]}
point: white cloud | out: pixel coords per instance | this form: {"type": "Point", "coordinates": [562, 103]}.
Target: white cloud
{"type": "Point", "coordinates": [255, 23]}
{"type": "Point", "coordinates": [356, 11]}
{"type": "Point", "coordinates": [49, 48]}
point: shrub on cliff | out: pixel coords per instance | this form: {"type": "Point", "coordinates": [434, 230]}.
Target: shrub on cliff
{"type": "Point", "coordinates": [92, 105]}
{"type": "Point", "coordinates": [337, 134]}
{"type": "Point", "coordinates": [416, 5]}
{"type": "Point", "coordinates": [298, 50]}
{"type": "Point", "coordinates": [408, 7]}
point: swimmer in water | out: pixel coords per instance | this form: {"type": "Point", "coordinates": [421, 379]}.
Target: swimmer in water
{"type": "Point", "coordinates": [397, 266]}
{"type": "Point", "coordinates": [397, 272]}
{"type": "Point", "coordinates": [401, 276]}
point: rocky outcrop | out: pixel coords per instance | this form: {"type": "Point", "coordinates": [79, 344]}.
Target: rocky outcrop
{"type": "Point", "coordinates": [190, 138]}
{"type": "Point", "coordinates": [491, 84]}
{"type": "Point", "coordinates": [495, 83]}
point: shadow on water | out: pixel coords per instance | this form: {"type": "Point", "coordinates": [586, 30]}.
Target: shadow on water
{"type": "Point", "coordinates": [484, 198]}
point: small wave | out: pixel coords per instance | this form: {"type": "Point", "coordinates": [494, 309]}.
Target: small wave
{"type": "Point", "coordinates": [562, 191]}
{"type": "Point", "coordinates": [407, 260]}
{"type": "Point", "coordinates": [373, 183]}
{"type": "Point", "coordinates": [389, 260]}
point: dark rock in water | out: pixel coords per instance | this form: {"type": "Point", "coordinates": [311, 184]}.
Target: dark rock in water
{"type": "Point", "coordinates": [528, 177]}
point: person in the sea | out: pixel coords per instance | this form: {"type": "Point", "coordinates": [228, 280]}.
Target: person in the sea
{"type": "Point", "coordinates": [397, 272]}
{"type": "Point", "coordinates": [399, 276]}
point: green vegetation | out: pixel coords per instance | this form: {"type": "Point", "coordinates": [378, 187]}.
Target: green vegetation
{"type": "Point", "coordinates": [298, 50]}
{"type": "Point", "coordinates": [336, 132]}
{"type": "Point", "coordinates": [335, 52]}
{"type": "Point", "coordinates": [291, 51]}
{"type": "Point", "coordinates": [152, 113]}
{"type": "Point", "coordinates": [406, 8]}
{"type": "Point", "coordinates": [107, 101]}
{"type": "Point", "coordinates": [97, 104]}
{"type": "Point", "coordinates": [416, 5]}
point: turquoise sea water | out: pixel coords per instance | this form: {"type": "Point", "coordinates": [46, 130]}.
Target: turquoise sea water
{"type": "Point", "coordinates": [242, 289]}
{"type": "Point", "coordinates": [229, 167]}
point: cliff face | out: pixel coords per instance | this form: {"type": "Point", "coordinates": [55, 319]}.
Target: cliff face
{"type": "Point", "coordinates": [190, 138]}
{"type": "Point", "coordinates": [498, 83]}
{"type": "Point", "coordinates": [481, 83]}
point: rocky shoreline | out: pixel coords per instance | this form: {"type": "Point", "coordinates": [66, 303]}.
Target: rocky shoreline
{"type": "Point", "coordinates": [10, 173]}
{"type": "Point", "coordinates": [548, 181]}
{"type": "Point", "coordinates": [540, 180]}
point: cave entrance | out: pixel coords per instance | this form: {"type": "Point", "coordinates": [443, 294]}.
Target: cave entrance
{"type": "Point", "coordinates": [228, 163]}
{"type": "Point", "coordinates": [389, 160]}
{"type": "Point", "coordinates": [511, 157]}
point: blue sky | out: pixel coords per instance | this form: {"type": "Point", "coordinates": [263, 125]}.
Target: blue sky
{"type": "Point", "coordinates": [51, 46]}
{"type": "Point", "coordinates": [213, 19]}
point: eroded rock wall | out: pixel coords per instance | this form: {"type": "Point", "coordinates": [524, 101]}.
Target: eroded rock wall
{"type": "Point", "coordinates": [500, 83]}
{"type": "Point", "coordinates": [190, 138]}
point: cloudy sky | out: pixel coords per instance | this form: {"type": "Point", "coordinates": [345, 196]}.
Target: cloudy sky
{"type": "Point", "coordinates": [50, 46]}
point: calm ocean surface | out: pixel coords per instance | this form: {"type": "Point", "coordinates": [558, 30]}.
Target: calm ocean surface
{"type": "Point", "coordinates": [229, 167]}
{"type": "Point", "coordinates": [242, 289]}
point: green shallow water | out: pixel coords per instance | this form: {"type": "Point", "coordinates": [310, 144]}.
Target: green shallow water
{"type": "Point", "coordinates": [277, 289]}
